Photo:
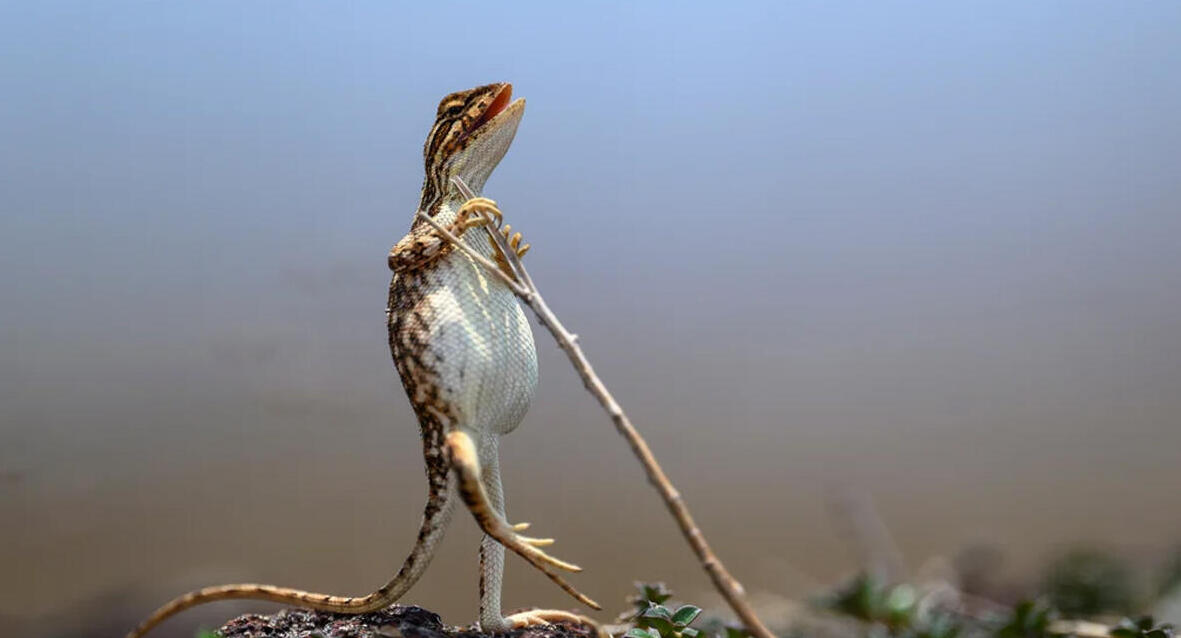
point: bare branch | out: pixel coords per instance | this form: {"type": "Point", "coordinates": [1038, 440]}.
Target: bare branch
{"type": "Point", "coordinates": [500, 241]}
{"type": "Point", "coordinates": [517, 288]}
{"type": "Point", "coordinates": [727, 586]}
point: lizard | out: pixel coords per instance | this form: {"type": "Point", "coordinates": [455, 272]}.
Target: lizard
{"type": "Point", "coordinates": [464, 351]}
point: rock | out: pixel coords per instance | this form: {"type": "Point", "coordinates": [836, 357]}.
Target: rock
{"type": "Point", "coordinates": [396, 621]}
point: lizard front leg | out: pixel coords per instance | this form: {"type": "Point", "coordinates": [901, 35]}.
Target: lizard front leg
{"type": "Point", "coordinates": [421, 248]}
{"type": "Point", "coordinates": [514, 244]}
{"type": "Point", "coordinates": [466, 463]}
{"type": "Point", "coordinates": [423, 244]}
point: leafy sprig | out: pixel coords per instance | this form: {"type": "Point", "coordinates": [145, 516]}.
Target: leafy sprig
{"type": "Point", "coordinates": [657, 621]}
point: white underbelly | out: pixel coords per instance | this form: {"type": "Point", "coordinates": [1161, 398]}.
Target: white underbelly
{"type": "Point", "coordinates": [485, 359]}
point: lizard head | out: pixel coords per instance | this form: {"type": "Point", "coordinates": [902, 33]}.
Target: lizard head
{"type": "Point", "coordinates": [473, 130]}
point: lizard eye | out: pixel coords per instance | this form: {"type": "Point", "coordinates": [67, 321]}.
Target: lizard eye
{"type": "Point", "coordinates": [449, 108]}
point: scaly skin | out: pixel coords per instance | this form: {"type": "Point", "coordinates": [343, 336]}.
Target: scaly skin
{"type": "Point", "coordinates": [465, 354]}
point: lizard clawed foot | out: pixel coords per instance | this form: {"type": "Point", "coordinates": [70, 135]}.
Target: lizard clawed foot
{"type": "Point", "coordinates": [465, 461]}
{"type": "Point", "coordinates": [535, 542]}
{"type": "Point", "coordinates": [514, 242]}
{"type": "Point", "coordinates": [527, 546]}
{"type": "Point", "coordinates": [471, 214]}
{"type": "Point", "coordinates": [551, 616]}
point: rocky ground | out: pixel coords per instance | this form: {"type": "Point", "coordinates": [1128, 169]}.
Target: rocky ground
{"type": "Point", "coordinates": [394, 622]}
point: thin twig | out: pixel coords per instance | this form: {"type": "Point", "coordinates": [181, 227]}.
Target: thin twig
{"type": "Point", "coordinates": [517, 288]}
{"type": "Point", "coordinates": [729, 588]}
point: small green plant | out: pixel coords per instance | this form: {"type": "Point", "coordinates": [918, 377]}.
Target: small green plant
{"type": "Point", "coordinates": [862, 598]}
{"type": "Point", "coordinates": [647, 594]}
{"type": "Point", "coordinates": [939, 626]}
{"type": "Point", "coordinates": [657, 621]}
{"type": "Point", "coordinates": [1030, 619]}
{"type": "Point", "coordinates": [1142, 627]}
{"type": "Point", "coordinates": [208, 633]}
{"type": "Point", "coordinates": [892, 610]}
{"type": "Point", "coordinates": [652, 618]}
{"type": "Point", "coordinates": [868, 599]}
{"type": "Point", "coordinates": [1089, 582]}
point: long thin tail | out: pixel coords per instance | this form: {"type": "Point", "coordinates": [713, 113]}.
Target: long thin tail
{"type": "Point", "coordinates": [435, 518]}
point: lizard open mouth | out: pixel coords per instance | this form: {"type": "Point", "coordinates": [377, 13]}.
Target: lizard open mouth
{"type": "Point", "coordinates": [480, 125]}
{"type": "Point", "coordinates": [499, 103]}
{"type": "Point", "coordinates": [485, 117]}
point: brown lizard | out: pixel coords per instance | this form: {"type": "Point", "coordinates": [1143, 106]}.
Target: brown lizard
{"type": "Point", "coordinates": [464, 350]}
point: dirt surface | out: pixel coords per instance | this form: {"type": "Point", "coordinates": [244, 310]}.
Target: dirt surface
{"type": "Point", "coordinates": [393, 622]}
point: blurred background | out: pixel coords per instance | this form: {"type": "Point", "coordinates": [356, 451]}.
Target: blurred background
{"type": "Point", "coordinates": [921, 257]}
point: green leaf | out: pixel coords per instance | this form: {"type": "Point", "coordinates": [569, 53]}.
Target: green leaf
{"type": "Point", "coordinates": [657, 611]}
{"type": "Point", "coordinates": [900, 604]}
{"type": "Point", "coordinates": [654, 592]}
{"type": "Point", "coordinates": [660, 625]}
{"type": "Point", "coordinates": [685, 614]}
{"type": "Point", "coordinates": [208, 633]}
{"type": "Point", "coordinates": [861, 598]}
{"type": "Point", "coordinates": [1031, 619]}
{"type": "Point", "coordinates": [689, 632]}
{"type": "Point", "coordinates": [638, 632]}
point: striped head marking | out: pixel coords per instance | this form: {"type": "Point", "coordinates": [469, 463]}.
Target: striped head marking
{"type": "Point", "coordinates": [473, 130]}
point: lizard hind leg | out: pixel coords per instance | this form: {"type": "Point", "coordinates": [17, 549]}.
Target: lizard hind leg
{"type": "Point", "coordinates": [491, 551]}
{"type": "Point", "coordinates": [492, 560]}
{"type": "Point", "coordinates": [466, 462]}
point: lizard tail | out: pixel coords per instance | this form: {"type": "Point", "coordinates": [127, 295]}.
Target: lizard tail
{"type": "Point", "coordinates": [437, 515]}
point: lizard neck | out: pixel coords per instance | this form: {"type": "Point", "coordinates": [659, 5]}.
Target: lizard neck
{"type": "Point", "coordinates": [474, 163]}
{"type": "Point", "coordinates": [442, 196]}
{"type": "Point", "coordinates": [447, 208]}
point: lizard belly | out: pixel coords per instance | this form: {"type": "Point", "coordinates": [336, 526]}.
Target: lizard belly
{"type": "Point", "coordinates": [481, 344]}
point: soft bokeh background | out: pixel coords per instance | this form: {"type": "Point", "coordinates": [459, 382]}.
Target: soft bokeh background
{"type": "Point", "coordinates": [928, 253]}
